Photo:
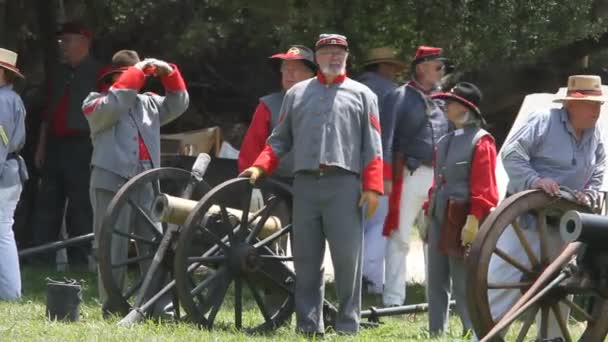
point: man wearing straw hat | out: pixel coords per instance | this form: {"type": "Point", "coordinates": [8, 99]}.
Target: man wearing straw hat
{"type": "Point", "coordinates": [381, 66]}
{"type": "Point", "coordinates": [556, 147]}
{"type": "Point", "coordinates": [12, 172]}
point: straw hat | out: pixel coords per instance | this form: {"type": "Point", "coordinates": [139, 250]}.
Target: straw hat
{"type": "Point", "coordinates": [584, 88]}
{"type": "Point", "coordinates": [8, 61]}
{"type": "Point", "coordinates": [384, 55]}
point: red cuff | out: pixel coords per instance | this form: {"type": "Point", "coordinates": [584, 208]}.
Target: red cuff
{"type": "Point", "coordinates": [388, 170]}
{"type": "Point", "coordinates": [174, 81]}
{"type": "Point", "coordinates": [132, 78]}
{"type": "Point", "coordinates": [372, 176]}
{"type": "Point", "coordinates": [267, 160]}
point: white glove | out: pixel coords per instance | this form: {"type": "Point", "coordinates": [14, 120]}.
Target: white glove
{"type": "Point", "coordinates": [145, 64]}
{"type": "Point", "coordinates": [162, 68]}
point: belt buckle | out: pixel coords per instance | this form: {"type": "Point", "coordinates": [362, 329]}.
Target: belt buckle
{"type": "Point", "coordinates": [321, 172]}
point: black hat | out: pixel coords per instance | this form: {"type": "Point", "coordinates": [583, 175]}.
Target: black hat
{"type": "Point", "coordinates": [74, 27]}
{"type": "Point", "coordinates": [466, 94]}
{"type": "Point", "coordinates": [298, 52]}
{"type": "Point", "coordinates": [121, 61]}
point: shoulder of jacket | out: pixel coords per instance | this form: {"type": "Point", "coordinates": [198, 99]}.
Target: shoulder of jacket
{"type": "Point", "coordinates": [272, 96]}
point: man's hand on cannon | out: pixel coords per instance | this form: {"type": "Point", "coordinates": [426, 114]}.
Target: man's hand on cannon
{"type": "Point", "coordinates": [582, 198]}
{"type": "Point", "coordinates": [253, 173]}
{"type": "Point", "coordinates": [548, 185]}
{"type": "Point", "coordinates": [469, 230]}
{"type": "Point", "coordinates": [370, 198]}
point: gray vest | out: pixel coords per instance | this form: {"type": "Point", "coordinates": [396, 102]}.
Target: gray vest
{"type": "Point", "coordinates": [81, 81]}
{"type": "Point", "coordinates": [273, 102]}
{"type": "Point", "coordinates": [453, 168]}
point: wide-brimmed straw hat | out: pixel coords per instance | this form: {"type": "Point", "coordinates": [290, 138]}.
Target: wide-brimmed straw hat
{"type": "Point", "coordinates": [384, 55]}
{"type": "Point", "coordinates": [584, 88]}
{"type": "Point", "coordinates": [8, 61]}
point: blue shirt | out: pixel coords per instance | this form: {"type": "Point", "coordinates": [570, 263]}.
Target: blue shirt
{"type": "Point", "coordinates": [12, 120]}
{"type": "Point", "coordinates": [546, 147]}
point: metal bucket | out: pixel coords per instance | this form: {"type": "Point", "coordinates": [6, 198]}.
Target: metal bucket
{"type": "Point", "coordinates": [63, 300]}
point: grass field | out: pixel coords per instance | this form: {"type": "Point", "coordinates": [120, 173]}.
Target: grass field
{"type": "Point", "coordinates": [25, 320]}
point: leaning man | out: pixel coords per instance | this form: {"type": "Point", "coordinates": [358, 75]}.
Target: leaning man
{"type": "Point", "coordinates": [556, 147]}
{"type": "Point", "coordinates": [331, 122]}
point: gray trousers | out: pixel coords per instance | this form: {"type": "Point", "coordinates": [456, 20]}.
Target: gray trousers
{"type": "Point", "coordinates": [326, 208]}
{"type": "Point", "coordinates": [446, 276]}
{"type": "Point", "coordinates": [104, 185]}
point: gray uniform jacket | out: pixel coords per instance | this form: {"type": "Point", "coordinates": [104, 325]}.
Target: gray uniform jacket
{"type": "Point", "coordinates": [12, 121]}
{"type": "Point", "coordinates": [274, 102]}
{"type": "Point", "coordinates": [329, 124]}
{"type": "Point", "coordinates": [118, 116]}
{"type": "Point", "coordinates": [546, 147]}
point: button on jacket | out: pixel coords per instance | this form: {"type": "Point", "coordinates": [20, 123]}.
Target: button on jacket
{"type": "Point", "coordinates": [329, 124]}
{"type": "Point", "coordinates": [117, 119]}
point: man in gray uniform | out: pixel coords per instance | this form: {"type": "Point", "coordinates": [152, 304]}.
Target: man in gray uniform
{"type": "Point", "coordinates": [381, 67]}
{"type": "Point", "coordinates": [12, 172]}
{"type": "Point", "coordinates": [125, 129]}
{"type": "Point", "coordinates": [331, 122]}
{"type": "Point", "coordinates": [296, 65]}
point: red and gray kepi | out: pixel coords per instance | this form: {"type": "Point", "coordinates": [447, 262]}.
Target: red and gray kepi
{"type": "Point", "coordinates": [298, 53]}
{"type": "Point", "coordinates": [74, 27]}
{"type": "Point", "coordinates": [8, 61]}
{"type": "Point", "coordinates": [466, 94]}
{"type": "Point", "coordinates": [121, 61]}
{"type": "Point", "coordinates": [327, 39]}
{"type": "Point", "coordinates": [428, 53]}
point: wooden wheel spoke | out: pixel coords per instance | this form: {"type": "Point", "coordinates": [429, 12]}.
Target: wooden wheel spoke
{"type": "Point", "coordinates": [561, 321]}
{"type": "Point", "coordinates": [542, 236]}
{"type": "Point", "coordinates": [263, 214]}
{"type": "Point", "coordinates": [226, 221]}
{"type": "Point", "coordinates": [245, 214]}
{"type": "Point", "coordinates": [207, 281]}
{"type": "Point", "coordinates": [525, 244]}
{"type": "Point", "coordinates": [206, 259]}
{"type": "Point", "coordinates": [272, 237]}
{"type": "Point", "coordinates": [521, 285]}
{"type": "Point", "coordinates": [131, 290]}
{"type": "Point", "coordinates": [238, 303]}
{"type": "Point", "coordinates": [132, 260]}
{"type": "Point", "coordinates": [276, 282]}
{"type": "Point", "coordinates": [503, 255]}
{"type": "Point", "coordinates": [219, 300]}
{"type": "Point", "coordinates": [151, 225]}
{"type": "Point", "coordinates": [215, 239]}
{"type": "Point", "coordinates": [527, 324]}
{"type": "Point", "coordinates": [544, 322]}
{"type": "Point", "coordinates": [135, 237]}
{"type": "Point", "coordinates": [283, 258]}
{"type": "Point", "coordinates": [156, 187]}
{"type": "Point", "coordinates": [259, 301]}
{"type": "Point", "coordinates": [576, 308]}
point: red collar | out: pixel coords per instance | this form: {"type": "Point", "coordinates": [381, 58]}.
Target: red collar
{"type": "Point", "coordinates": [323, 80]}
{"type": "Point", "coordinates": [414, 84]}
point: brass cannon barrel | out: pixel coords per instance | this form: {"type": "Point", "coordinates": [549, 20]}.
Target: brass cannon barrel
{"type": "Point", "coordinates": [171, 209]}
{"type": "Point", "coordinates": [587, 228]}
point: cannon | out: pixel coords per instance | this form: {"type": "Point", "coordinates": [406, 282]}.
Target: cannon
{"type": "Point", "coordinates": [562, 283]}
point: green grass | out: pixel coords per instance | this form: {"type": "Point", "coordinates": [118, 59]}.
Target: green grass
{"type": "Point", "coordinates": [25, 320]}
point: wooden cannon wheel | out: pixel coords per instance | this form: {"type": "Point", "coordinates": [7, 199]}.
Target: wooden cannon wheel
{"type": "Point", "coordinates": [210, 279]}
{"type": "Point", "coordinates": [540, 210]}
{"type": "Point", "coordinates": [140, 235]}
